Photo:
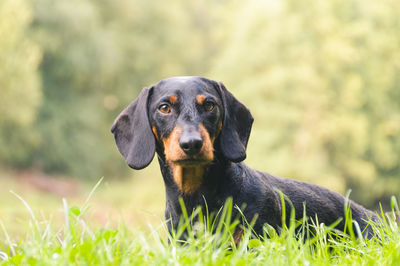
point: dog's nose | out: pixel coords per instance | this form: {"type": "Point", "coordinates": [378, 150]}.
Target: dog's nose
{"type": "Point", "coordinates": [191, 144]}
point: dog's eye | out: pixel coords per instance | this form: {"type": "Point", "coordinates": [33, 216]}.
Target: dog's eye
{"type": "Point", "coordinates": [208, 106]}
{"type": "Point", "coordinates": [164, 108]}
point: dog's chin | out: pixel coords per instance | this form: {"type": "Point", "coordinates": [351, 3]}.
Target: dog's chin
{"type": "Point", "coordinates": [191, 162]}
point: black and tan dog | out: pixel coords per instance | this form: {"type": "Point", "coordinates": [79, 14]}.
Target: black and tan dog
{"type": "Point", "coordinates": [200, 132]}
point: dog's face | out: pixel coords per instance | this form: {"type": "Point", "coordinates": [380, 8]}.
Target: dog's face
{"type": "Point", "coordinates": [183, 117]}
{"type": "Point", "coordinates": [186, 116]}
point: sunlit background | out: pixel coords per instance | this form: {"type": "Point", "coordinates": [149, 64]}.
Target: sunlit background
{"type": "Point", "coordinates": [321, 78]}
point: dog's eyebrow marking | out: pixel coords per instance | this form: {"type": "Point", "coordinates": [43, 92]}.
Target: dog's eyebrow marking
{"type": "Point", "coordinates": [173, 99]}
{"type": "Point", "coordinates": [200, 99]}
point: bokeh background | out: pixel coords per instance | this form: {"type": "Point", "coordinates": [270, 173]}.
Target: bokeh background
{"type": "Point", "coordinates": [321, 78]}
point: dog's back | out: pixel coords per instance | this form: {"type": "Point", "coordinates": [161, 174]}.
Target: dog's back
{"type": "Point", "coordinates": [320, 202]}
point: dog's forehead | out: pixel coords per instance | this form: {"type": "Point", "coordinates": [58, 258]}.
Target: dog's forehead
{"type": "Point", "coordinates": [185, 87]}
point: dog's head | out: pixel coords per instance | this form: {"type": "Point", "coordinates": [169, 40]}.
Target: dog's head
{"type": "Point", "coordinates": [183, 117]}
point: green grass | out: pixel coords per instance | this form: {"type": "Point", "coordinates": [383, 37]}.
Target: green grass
{"type": "Point", "coordinates": [77, 241]}
{"type": "Point", "coordinates": [135, 201]}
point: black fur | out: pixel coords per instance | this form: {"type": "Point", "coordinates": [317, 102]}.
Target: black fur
{"type": "Point", "coordinates": [225, 176]}
{"type": "Point", "coordinates": [133, 134]}
{"type": "Point", "coordinates": [237, 123]}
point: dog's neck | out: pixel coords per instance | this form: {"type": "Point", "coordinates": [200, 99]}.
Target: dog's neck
{"type": "Point", "coordinates": [190, 182]}
{"type": "Point", "coordinates": [207, 187]}
{"type": "Point", "coordinates": [188, 179]}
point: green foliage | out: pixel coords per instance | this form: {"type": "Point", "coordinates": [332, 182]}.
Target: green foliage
{"type": "Point", "coordinates": [322, 80]}
{"type": "Point", "coordinates": [79, 243]}
{"type": "Point", "coordinates": [20, 92]}
{"type": "Point", "coordinates": [97, 57]}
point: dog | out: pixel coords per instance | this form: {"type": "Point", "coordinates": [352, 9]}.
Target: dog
{"type": "Point", "coordinates": [200, 131]}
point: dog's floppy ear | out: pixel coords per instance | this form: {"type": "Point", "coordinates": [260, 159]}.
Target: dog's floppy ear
{"type": "Point", "coordinates": [236, 126]}
{"type": "Point", "coordinates": [133, 134]}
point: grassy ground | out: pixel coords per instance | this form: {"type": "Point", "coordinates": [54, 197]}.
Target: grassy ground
{"type": "Point", "coordinates": [135, 202]}
{"type": "Point", "coordinates": [107, 228]}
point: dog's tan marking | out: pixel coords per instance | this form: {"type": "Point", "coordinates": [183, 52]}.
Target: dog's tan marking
{"type": "Point", "coordinates": [219, 128]}
{"type": "Point", "coordinates": [172, 150]}
{"type": "Point", "coordinates": [200, 99]}
{"type": "Point", "coordinates": [153, 128]}
{"type": "Point", "coordinates": [173, 99]}
{"type": "Point", "coordinates": [188, 178]}
{"type": "Point", "coordinates": [207, 151]}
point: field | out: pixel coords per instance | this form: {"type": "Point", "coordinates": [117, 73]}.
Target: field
{"type": "Point", "coordinates": [321, 79]}
{"type": "Point", "coordinates": [115, 223]}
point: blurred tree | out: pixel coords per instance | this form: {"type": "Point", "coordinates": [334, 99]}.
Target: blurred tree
{"type": "Point", "coordinates": [97, 57]}
{"type": "Point", "coordinates": [322, 80]}
{"type": "Point", "coordinates": [20, 92]}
